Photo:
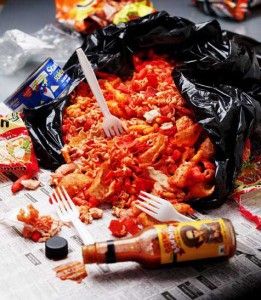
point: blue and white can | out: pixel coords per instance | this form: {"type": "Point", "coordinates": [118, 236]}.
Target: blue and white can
{"type": "Point", "coordinates": [44, 85]}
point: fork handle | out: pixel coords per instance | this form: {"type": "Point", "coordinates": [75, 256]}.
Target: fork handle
{"type": "Point", "coordinates": [8, 222]}
{"type": "Point", "coordinates": [180, 217]}
{"type": "Point", "coordinates": [93, 82]}
{"type": "Point", "coordinates": [83, 232]}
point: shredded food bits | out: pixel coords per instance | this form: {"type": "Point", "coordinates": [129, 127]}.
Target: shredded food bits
{"type": "Point", "coordinates": [38, 228]}
{"type": "Point", "coordinates": [163, 150]}
{"type": "Point", "coordinates": [75, 271]}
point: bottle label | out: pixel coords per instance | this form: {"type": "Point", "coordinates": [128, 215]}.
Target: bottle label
{"type": "Point", "coordinates": [193, 240]}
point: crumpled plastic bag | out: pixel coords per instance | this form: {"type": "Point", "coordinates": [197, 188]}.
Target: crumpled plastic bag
{"type": "Point", "coordinates": [86, 16]}
{"type": "Point", "coordinates": [218, 73]}
{"type": "Point", "coordinates": [44, 127]}
{"type": "Point", "coordinates": [17, 47]}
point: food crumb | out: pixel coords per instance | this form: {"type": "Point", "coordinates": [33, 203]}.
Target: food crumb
{"type": "Point", "coordinates": [88, 214]}
{"type": "Point", "coordinates": [85, 215]}
{"type": "Point", "coordinates": [96, 213]}
{"type": "Point", "coordinates": [30, 184]}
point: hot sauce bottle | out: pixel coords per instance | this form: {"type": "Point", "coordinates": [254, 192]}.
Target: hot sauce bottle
{"type": "Point", "coordinates": [167, 244]}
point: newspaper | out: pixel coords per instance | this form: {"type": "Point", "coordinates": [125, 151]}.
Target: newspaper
{"type": "Point", "coordinates": [25, 272]}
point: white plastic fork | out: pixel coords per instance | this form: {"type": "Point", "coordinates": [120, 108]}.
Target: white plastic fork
{"type": "Point", "coordinates": [67, 211]}
{"type": "Point", "coordinates": [158, 208]}
{"type": "Point", "coordinates": [111, 125]}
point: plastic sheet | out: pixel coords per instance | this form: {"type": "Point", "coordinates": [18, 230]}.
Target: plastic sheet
{"type": "Point", "coordinates": [17, 47]}
{"type": "Point", "coordinates": [218, 74]}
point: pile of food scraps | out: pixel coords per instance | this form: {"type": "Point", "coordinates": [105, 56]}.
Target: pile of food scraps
{"type": "Point", "coordinates": [163, 150]}
{"type": "Point", "coordinates": [38, 228]}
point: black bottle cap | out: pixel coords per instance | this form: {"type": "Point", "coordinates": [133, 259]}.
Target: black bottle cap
{"type": "Point", "coordinates": [56, 248]}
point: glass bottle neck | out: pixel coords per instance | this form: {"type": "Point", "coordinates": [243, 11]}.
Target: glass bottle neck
{"type": "Point", "coordinates": [112, 251]}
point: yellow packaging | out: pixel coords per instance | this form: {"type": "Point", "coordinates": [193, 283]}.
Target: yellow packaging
{"type": "Point", "coordinates": [133, 10]}
{"type": "Point", "coordinates": [195, 240]}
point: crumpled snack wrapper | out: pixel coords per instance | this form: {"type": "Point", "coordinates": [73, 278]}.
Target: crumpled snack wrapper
{"type": "Point", "coordinates": [16, 149]}
{"type": "Point", "coordinates": [88, 15]}
{"type": "Point", "coordinates": [237, 10]}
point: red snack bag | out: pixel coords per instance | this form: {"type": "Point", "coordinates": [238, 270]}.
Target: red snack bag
{"type": "Point", "coordinates": [249, 203]}
{"type": "Point", "coordinates": [16, 149]}
{"type": "Point", "coordinates": [248, 191]}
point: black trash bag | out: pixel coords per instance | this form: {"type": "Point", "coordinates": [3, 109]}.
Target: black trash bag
{"type": "Point", "coordinates": [44, 124]}
{"type": "Point", "coordinates": [218, 74]}
{"type": "Point", "coordinates": [111, 48]}
{"type": "Point", "coordinates": [227, 114]}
